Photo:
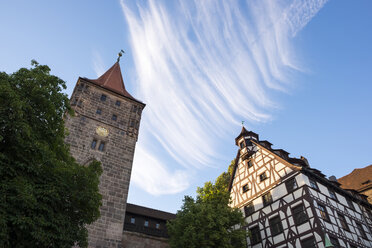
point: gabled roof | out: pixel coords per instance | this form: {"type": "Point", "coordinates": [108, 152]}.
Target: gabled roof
{"type": "Point", "coordinates": [112, 80]}
{"type": "Point", "coordinates": [358, 179]}
{"type": "Point", "coordinates": [149, 212]}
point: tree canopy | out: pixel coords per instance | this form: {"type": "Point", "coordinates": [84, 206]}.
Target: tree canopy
{"type": "Point", "coordinates": [46, 198]}
{"type": "Point", "coordinates": [208, 221]}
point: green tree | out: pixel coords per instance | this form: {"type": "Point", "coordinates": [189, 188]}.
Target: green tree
{"type": "Point", "coordinates": [46, 198]}
{"type": "Point", "coordinates": [208, 221]}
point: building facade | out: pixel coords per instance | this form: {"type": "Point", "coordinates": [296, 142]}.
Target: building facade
{"type": "Point", "coordinates": [145, 227]}
{"type": "Point", "coordinates": [105, 128]}
{"type": "Point", "coordinates": [287, 203]}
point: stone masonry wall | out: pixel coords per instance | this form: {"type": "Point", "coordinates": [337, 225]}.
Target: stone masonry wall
{"type": "Point", "coordinates": [139, 240]}
{"type": "Point", "coordinates": [116, 158]}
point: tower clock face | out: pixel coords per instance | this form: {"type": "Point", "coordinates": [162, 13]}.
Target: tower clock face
{"type": "Point", "coordinates": [101, 131]}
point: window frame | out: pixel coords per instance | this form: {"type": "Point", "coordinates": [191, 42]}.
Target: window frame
{"type": "Point", "coordinates": [298, 215]}
{"type": "Point", "coordinates": [114, 117]}
{"type": "Point", "coordinates": [313, 184]}
{"type": "Point", "coordinates": [255, 235]}
{"type": "Point", "coordinates": [249, 209]}
{"type": "Point", "coordinates": [343, 222]}
{"type": "Point", "coordinates": [311, 238]}
{"type": "Point", "coordinates": [276, 226]}
{"type": "Point", "coordinates": [132, 220]}
{"type": "Point", "coordinates": [93, 145]}
{"type": "Point", "coordinates": [263, 176]}
{"type": "Point", "coordinates": [334, 241]}
{"type": "Point", "coordinates": [294, 184]}
{"type": "Point", "coordinates": [250, 164]}
{"type": "Point", "coordinates": [332, 194]}
{"type": "Point", "coordinates": [361, 230]}
{"type": "Point", "coordinates": [103, 98]}
{"type": "Point", "coordinates": [118, 103]}
{"type": "Point", "coordinates": [102, 146]}
{"type": "Point", "coordinates": [323, 212]}
{"type": "Point", "coordinates": [99, 111]}
{"type": "Point", "coordinates": [245, 188]}
{"type": "Point", "coordinates": [269, 200]}
{"type": "Point", "coordinates": [146, 223]}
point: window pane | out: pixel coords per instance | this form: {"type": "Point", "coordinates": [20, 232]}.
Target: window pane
{"type": "Point", "coordinates": [101, 146]}
{"type": "Point", "coordinates": [146, 223]}
{"type": "Point", "coordinates": [255, 235]}
{"type": "Point", "coordinates": [267, 199]}
{"type": "Point", "coordinates": [334, 242]}
{"type": "Point", "coordinates": [250, 164]}
{"type": "Point", "coordinates": [93, 145]}
{"type": "Point", "coordinates": [103, 97]}
{"type": "Point", "coordinates": [291, 184]}
{"type": "Point", "coordinates": [114, 117]}
{"type": "Point", "coordinates": [308, 243]}
{"type": "Point", "coordinates": [276, 225]}
{"type": "Point", "coordinates": [299, 215]}
{"type": "Point", "coordinates": [99, 111]}
{"type": "Point", "coordinates": [132, 220]}
{"type": "Point", "coordinates": [249, 209]}
{"type": "Point", "coordinates": [118, 103]}
{"type": "Point", "coordinates": [245, 188]}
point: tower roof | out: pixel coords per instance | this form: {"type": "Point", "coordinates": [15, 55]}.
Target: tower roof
{"type": "Point", "coordinates": [245, 132]}
{"type": "Point", "coordinates": [112, 80]}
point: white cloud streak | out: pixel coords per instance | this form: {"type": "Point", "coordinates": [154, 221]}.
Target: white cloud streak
{"type": "Point", "coordinates": [98, 65]}
{"type": "Point", "coordinates": [202, 66]}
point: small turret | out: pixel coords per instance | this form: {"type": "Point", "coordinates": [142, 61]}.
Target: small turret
{"type": "Point", "coordinates": [244, 141]}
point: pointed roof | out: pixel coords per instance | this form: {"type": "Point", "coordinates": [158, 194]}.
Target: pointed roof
{"type": "Point", "coordinates": [113, 80]}
{"type": "Point", "coordinates": [244, 132]}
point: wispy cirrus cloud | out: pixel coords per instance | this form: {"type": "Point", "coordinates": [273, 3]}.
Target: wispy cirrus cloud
{"type": "Point", "coordinates": [202, 66]}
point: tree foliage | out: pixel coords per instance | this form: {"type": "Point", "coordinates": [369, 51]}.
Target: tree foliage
{"type": "Point", "coordinates": [208, 221]}
{"type": "Point", "coordinates": [46, 198]}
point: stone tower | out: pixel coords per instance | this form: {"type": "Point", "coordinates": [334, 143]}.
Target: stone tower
{"type": "Point", "coordinates": [105, 128]}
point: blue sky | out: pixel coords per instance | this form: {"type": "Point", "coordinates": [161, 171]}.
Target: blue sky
{"type": "Point", "coordinates": [297, 72]}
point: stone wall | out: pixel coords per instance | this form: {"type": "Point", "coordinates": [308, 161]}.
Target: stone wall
{"type": "Point", "coordinates": [139, 240]}
{"type": "Point", "coordinates": [116, 157]}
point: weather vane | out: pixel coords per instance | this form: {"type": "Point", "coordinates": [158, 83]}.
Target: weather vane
{"type": "Point", "coordinates": [120, 54]}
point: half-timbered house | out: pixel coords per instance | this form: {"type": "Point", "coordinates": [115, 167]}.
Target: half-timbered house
{"type": "Point", "coordinates": [287, 203]}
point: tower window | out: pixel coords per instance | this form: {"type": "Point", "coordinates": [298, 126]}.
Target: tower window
{"type": "Point", "coordinates": [114, 117]}
{"type": "Point", "coordinates": [117, 103]}
{"type": "Point", "coordinates": [101, 146]}
{"type": "Point", "coordinates": [94, 144]}
{"type": "Point", "coordinates": [75, 101]}
{"type": "Point", "coordinates": [134, 108]}
{"type": "Point", "coordinates": [241, 145]}
{"type": "Point", "coordinates": [267, 199]}
{"type": "Point", "coordinates": [103, 97]}
{"type": "Point", "coordinates": [291, 184]}
{"type": "Point", "coordinates": [139, 111]}
{"type": "Point", "coordinates": [263, 176]}
{"type": "Point", "coordinates": [99, 111]}
{"type": "Point", "coordinates": [131, 123]}
{"type": "Point", "coordinates": [137, 124]}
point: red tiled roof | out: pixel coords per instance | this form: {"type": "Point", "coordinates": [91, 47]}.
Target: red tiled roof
{"type": "Point", "coordinates": [358, 179]}
{"type": "Point", "coordinates": [113, 81]}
